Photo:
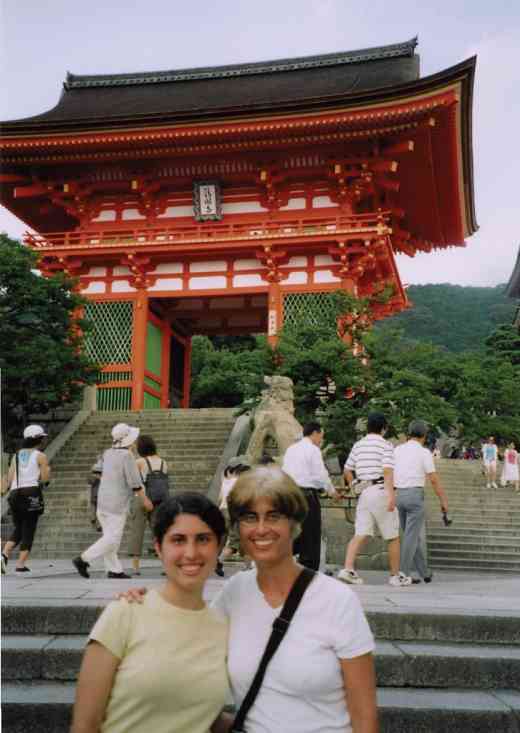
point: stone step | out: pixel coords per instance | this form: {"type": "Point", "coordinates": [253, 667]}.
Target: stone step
{"type": "Point", "coordinates": [476, 532]}
{"type": "Point", "coordinates": [493, 628]}
{"type": "Point", "coordinates": [481, 563]}
{"type": "Point", "coordinates": [398, 664]}
{"type": "Point", "coordinates": [45, 707]}
{"type": "Point", "coordinates": [496, 545]}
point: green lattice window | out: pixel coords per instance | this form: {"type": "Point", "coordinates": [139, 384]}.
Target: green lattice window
{"type": "Point", "coordinates": [110, 341]}
{"type": "Point", "coordinates": [307, 308]}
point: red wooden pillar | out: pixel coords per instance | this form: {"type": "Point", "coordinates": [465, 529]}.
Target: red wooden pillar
{"type": "Point", "coordinates": [139, 348]}
{"type": "Point", "coordinates": [187, 374]}
{"type": "Point", "coordinates": [165, 365]}
{"type": "Point", "coordinates": [274, 313]}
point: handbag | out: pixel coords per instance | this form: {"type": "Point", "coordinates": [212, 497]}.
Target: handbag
{"type": "Point", "coordinates": [280, 626]}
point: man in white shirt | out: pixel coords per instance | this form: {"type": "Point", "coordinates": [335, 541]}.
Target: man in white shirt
{"type": "Point", "coordinates": [413, 464]}
{"type": "Point", "coordinates": [303, 462]}
{"type": "Point", "coordinates": [489, 458]}
{"type": "Point", "coordinates": [372, 460]}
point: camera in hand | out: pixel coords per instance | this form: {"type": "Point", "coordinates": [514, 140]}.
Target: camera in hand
{"type": "Point", "coordinates": [445, 518]}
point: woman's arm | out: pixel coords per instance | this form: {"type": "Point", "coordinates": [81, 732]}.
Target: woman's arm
{"type": "Point", "coordinates": [45, 469]}
{"type": "Point", "coordinates": [8, 480]}
{"type": "Point", "coordinates": [95, 682]}
{"type": "Point", "coordinates": [359, 680]}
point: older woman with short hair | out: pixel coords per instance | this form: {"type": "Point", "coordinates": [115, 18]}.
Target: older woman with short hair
{"type": "Point", "coordinates": [321, 679]}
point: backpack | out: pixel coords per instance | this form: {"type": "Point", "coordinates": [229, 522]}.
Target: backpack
{"type": "Point", "coordinates": [157, 485]}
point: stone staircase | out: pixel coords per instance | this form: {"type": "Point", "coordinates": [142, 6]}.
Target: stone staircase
{"type": "Point", "coordinates": [485, 534]}
{"type": "Point", "coordinates": [191, 441]}
{"type": "Point", "coordinates": [436, 672]}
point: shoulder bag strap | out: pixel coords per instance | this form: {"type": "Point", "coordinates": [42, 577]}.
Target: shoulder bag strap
{"type": "Point", "coordinates": [17, 471]}
{"type": "Point", "coordinates": [150, 469]}
{"type": "Point", "coordinates": [280, 626]}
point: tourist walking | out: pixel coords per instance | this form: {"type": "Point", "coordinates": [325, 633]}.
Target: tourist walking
{"type": "Point", "coordinates": [328, 631]}
{"type": "Point", "coordinates": [161, 665]}
{"type": "Point", "coordinates": [413, 465]}
{"type": "Point", "coordinates": [372, 460]}
{"type": "Point", "coordinates": [28, 473]}
{"type": "Point", "coordinates": [303, 462]}
{"type": "Point", "coordinates": [489, 459]}
{"type": "Point", "coordinates": [119, 479]}
{"type": "Point", "coordinates": [510, 472]}
{"type": "Point", "coordinates": [154, 475]}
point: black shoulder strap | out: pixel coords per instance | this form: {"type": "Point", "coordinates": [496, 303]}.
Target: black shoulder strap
{"type": "Point", "coordinates": [150, 469]}
{"type": "Point", "coordinates": [280, 626]}
{"type": "Point", "coordinates": [162, 464]}
{"type": "Point", "coordinates": [17, 474]}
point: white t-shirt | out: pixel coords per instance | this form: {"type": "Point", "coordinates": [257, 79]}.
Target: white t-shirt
{"type": "Point", "coordinates": [303, 689]}
{"type": "Point", "coordinates": [303, 462]}
{"type": "Point", "coordinates": [412, 462]}
{"type": "Point", "coordinates": [29, 468]}
{"type": "Point", "coordinates": [370, 456]}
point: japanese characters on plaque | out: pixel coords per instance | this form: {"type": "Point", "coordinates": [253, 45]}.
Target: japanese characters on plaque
{"type": "Point", "coordinates": [207, 202]}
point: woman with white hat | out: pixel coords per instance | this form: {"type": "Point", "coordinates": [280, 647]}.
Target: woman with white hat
{"type": "Point", "coordinates": [29, 469]}
{"type": "Point", "coordinates": [120, 478]}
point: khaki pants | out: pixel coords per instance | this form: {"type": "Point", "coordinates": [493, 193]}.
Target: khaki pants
{"type": "Point", "coordinates": [139, 518]}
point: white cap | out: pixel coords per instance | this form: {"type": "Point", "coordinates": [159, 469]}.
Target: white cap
{"type": "Point", "coordinates": [34, 431]}
{"type": "Point", "coordinates": [124, 435]}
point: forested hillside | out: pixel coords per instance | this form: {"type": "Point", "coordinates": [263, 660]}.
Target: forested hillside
{"type": "Point", "coordinates": [458, 318]}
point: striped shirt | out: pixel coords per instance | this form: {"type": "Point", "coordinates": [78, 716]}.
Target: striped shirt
{"type": "Point", "coordinates": [369, 456]}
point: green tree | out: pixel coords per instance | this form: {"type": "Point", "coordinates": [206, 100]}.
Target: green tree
{"type": "Point", "coordinates": [505, 341]}
{"type": "Point", "coordinates": [42, 360]}
{"type": "Point", "coordinates": [223, 377]}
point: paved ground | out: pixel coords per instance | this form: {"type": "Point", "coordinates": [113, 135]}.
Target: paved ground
{"type": "Point", "coordinates": [55, 581]}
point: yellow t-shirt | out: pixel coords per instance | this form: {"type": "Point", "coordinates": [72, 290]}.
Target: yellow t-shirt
{"type": "Point", "coordinates": [172, 677]}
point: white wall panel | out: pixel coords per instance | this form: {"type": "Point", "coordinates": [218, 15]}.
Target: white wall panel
{"type": "Point", "coordinates": [207, 283]}
{"type": "Point", "coordinates": [247, 281]}
{"type": "Point", "coordinates": [167, 283]}
{"type": "Point", "coordinates": [208, 266]}
{"type": "Point", "coordinates": [95, 288]}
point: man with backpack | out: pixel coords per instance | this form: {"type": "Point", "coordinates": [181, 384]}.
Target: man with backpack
{"type": "Point", "coordinates": [154, 474]}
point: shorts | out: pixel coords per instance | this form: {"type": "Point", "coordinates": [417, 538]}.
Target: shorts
{"type": "Point", "coordinates": [490, 464]}
{"type": "Point", "coordinates": [371, 512]}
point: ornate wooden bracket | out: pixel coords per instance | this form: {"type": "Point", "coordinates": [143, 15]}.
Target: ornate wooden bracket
{"type": "Point", "coordinates": [140, 267]}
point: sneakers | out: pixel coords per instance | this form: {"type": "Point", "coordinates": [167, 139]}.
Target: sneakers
{"type": "Point", "coordinates": [349, 576]}
{"type": "Point", "coordinates": [399, 581]}
{"type": "Point", "coordinates": [23, 569]}
{"type": "Point", "coordinates": [5, 560]}
{"type": "Point", "coordinates": [81, 566]}
{"type": "Point", "coordinates": [120, 576]}
{"type": "Point", "coordinates": [488, 485]}
{"type": "Point", "coordinates": [494, 485]}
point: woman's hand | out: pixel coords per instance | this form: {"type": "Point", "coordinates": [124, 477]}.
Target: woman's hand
{"type": "Point", "coordinates": [133, 595]}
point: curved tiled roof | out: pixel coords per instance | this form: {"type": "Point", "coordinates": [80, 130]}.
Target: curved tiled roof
{"type": "Point", "coordinates": [116, 100]}
{"type": "Point", "coordinates": [395, 50]}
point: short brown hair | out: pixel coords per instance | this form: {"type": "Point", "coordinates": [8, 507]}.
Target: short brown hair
{"type": "Point", "coordinates": [267, 482]}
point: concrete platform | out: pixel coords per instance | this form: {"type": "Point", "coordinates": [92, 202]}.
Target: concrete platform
{"type": "Point", "coordinates": [52, 581]}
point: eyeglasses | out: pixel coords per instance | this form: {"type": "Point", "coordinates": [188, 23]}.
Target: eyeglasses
{"type": "Point", "coordinates": [251, 518]}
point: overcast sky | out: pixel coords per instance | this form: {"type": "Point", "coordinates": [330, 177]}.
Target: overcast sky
{"type": "Point", "coordinates": [43, 39]}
